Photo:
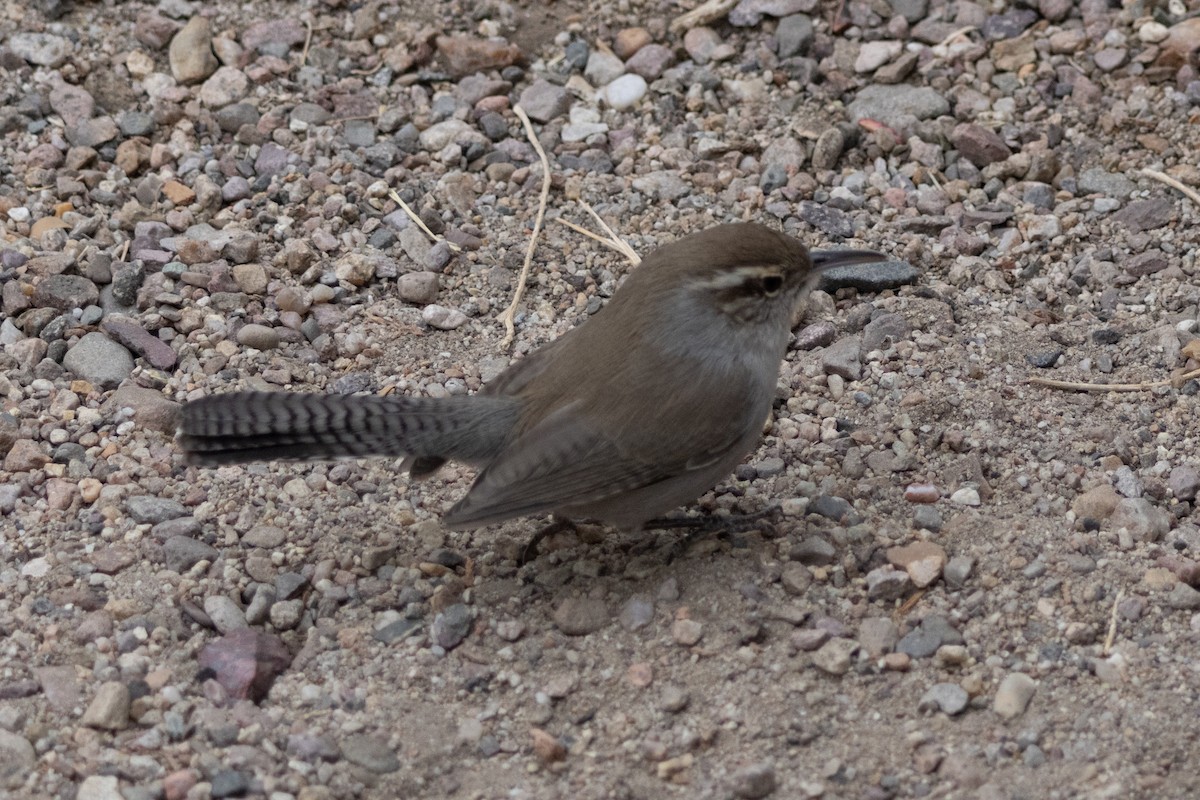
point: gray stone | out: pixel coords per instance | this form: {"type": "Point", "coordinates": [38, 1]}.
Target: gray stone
{"type": "Point", "coordinates": [72, 103]}
{"type": "Point", "coordinates": [100, 787]}
{"type": "Point", "coordinates": [1141, 215]}
{"type": "Point", "coordinates": [957, 570]}
{"type": "Point", "coordinates": [259, 608]}
{"type": "Point", "coordinates": [42, 49]}
{"type": "Point", "coordinates": [920, 642]}
{"type": "Point", "coordinates": [603, 68]}
{"type": "Point", "coordinates": [1098, 180]}
{"type": "Point", "coordinates": [267, 537]}
{"type": "Point", "coordinates": [785, 153]}
{"type": "Point", "coordinates": [662, 184]}
{"type": "Point", "coordinates": [748, 13]}
{"type": "Point", "coordinates": [232, 117]}
{"type": "Point", "coordinates": [912, 10]}
{"type": "Point", "coordinates": [451, 626]}
{"type": "Point", "coordinates": [1184, 482]}
{"type": "Point", "coordinates": [310, 114]}
{"type": "Point", "coordinates": [150, 408]}
{"type": "Point", "coordinates": [579, 616]}
{"type": "Point", "coordinates": [259, 337]}
{"type": "Point", "coordinates": [835, 656]}
{"type": "Point", "coordinates": [636, 613]}
{"type": "Point", "coordinates": [794, 35]}
{"type": "Point", "coordinates": [449, 131]}
{"type": "Point", "coordinates": [396, 630]}
{"type": "Point", "coordinates": [65, 292]}
{"type": "Point", "coordinates": [272, 159]}
{"type": "Point", "coordinates": [887, 104]}
{"type": "Point", "coordinates": [813, 551]}
{"type": "Point", "coordinates": [878, 636]}
{"type": "Point", "coordinates": [99, 360]}
{"type": "Point", "coordinates": [795, 578]}
{"type": "Point", "coordinates": [1014, 694]}
{"type": "Point", "coordinates": [286, 614]}
{"type": "Point", "coordinates": [190, 54]}
{"type": "Point", "coordinates": [869, 276]}
{"type": "Point", "coordinates": [828, 148]}
{"type": "Point", "coordinates": [887, 583]}
{"type": "Point", "coordinates": [1008, 25]}
{"type": "Point", "coordinates": [109, 709]}
{"type": "Point", "coordinates": [979, 145]}
{"type": "Point", "coordinates": [442, 318]}
{"type": "Point", "coordinates": [135, 123]}
{"type": "Point", "coordinates": [1146, 263]}
{"type": "Point", "coordinates": [226, 85]}
{"type": "Point", "coordinates": [1109, 58]}
{"type": "Point", "coordinates": [543, 101]}
{"type": "Point", "coordinates": [288, 584]}
{"type": "Point", "coordinates": [92, 132]}
{"type": "Point", "coordinates": [1183, 597]}
{"type": "Point", "coordinates": [228, 783]}
{"type": "Point", "coordinates": [755, 781]}
{"type": "Point", "coordinates": [225, 614]}
{"type": "Point", "coordinates": [147, 508]}
{"type": "Point", "coordinates": [473, 88]}
{"type": "Point", "coordinates": [843, 358]}
{"type": "Point", "coordinates": [1144, 521]}
{"type": "Point", "coordinates": [371, 753]}
{"type": "Point", "coordinates": [949, 698]}
{"type": "Point", "coordinates": [156, 352]}
{"type": "Point", "coordinates": [884, 331]}
{"type": "Point", "coordinates": [827, 219]}
{"type": "Point", "coordinates": [418, 287]}
{"type": "Point", "coordinates": [16, 754]}
{"type": "Point", "coordinates": [818, 334]}
{"type": "Point", "coordinates": [651, 61]}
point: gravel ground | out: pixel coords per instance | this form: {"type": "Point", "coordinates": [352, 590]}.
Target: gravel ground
{"type": "Point", "coordinates": [978, 586]}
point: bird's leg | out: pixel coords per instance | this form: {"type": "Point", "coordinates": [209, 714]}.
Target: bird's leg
{"type": "Point", "coordinates": [702, 526]}
{"type": "Point", "coordinates": [733, 523]}
{"type": "Point", "coordinates": [530, 550]}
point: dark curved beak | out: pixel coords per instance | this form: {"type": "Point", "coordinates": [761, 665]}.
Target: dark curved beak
{"type": "Point", "coordinates": [828, 259]}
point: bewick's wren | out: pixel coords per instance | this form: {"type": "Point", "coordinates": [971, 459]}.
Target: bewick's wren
{"type": "Point", "coordinates": [642, 408]}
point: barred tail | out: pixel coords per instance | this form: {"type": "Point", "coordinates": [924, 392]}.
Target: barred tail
{"type": "Point", "coordinates": [262, 426]}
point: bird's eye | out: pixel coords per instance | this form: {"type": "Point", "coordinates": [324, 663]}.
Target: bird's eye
{"type": "Point", "coordinates": [771, 284]}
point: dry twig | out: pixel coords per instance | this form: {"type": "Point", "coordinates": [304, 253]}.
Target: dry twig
{"type": "Point", "coordinates": [1163, 177]}
{"type": "Point", "coordinates": [1112, 623]}
{"type": "Point", "coordinates": [307, 42]}
{"type": "Point", "coordinates": [413, 216]}
{"type": "Point", "coordinates": [618, 244]}
{"type": "Point", "coordinates": [702, 14]}
{"type": "Point", "coordinates": [510, 314]}
{"type": "Point", "coordinates": [909, 604]}
{"type": "Point", "coordinates": [1176, 381]}
{"type": "Point", "coordinates": [954, 35]}
{"type": "Point", "coordinates": [612, 240]}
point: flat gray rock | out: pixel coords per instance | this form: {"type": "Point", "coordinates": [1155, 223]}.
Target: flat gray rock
{"type": "Point", "coordinates": [887, 104]}
{"type": "Point", "coordinates": [99, 360]}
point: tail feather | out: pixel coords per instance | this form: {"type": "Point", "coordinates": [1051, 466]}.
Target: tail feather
{"type": "Point", "coordinates": [262, 426]}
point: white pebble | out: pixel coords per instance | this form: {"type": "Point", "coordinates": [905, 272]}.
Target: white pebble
{"type": "Point", "coordinates": [966, 496]}
{"type": "Point", "coordinates": [1153, 32]}
{"type": "Point", "coordinates": [625, 91]}
{"type": "Point", "coordinates": [442, 318]}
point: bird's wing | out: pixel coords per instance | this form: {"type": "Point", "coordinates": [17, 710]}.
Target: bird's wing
{"type": "Point", "coordinates": [566, 460]}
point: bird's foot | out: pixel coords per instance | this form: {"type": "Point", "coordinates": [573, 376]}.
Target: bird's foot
{"type": "Point", "coordinates": [700, 527]}
{"type": "Point", "coordinates": [530, 551]}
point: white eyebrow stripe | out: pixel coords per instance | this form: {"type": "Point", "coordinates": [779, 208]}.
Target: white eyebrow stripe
{"type": "Point", "coordinates": [727, 279]}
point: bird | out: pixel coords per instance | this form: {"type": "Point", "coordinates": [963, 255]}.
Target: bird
{"type": "Point", "coordinates": [640, 409]}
